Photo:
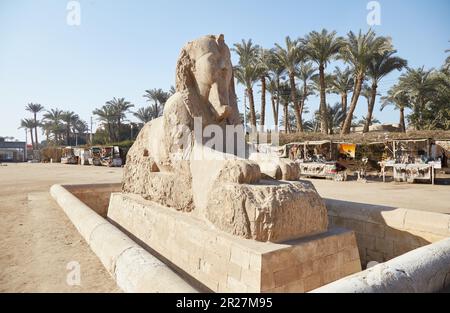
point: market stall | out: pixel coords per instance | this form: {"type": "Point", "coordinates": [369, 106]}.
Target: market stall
{"type": "Point", "coordinates": [411, 161]}
{"type": "Point", "coordinates": [317, 159]}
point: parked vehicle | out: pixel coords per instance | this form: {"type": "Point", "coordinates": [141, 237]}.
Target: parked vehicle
{"type": "Point", "coordinates": [68, 156]}
{"type": "Point", "coordinates": [110, 156]}
{"type": "Point", "coordinates": [95, 156]}
{"type": "Point", "coordinates": [83, 155]}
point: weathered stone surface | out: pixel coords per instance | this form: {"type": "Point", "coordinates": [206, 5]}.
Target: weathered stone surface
{"type": "Point", "coordinates": [172, 163]}
{"type": "Point", "coordinates": [226, 263]}
{"type": "Point", "coordinates": [261, 212]}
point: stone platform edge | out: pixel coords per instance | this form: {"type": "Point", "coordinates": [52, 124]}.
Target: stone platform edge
{"type": "Point", "coordinates": [423, 270]}
{"type": "Point", "coordinates": [225, 263]}
{"type": "Point", "coordinates": [132, 267]}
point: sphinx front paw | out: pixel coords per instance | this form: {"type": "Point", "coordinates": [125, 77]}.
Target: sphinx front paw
{"type": "Point", "coordinates": [240, 172]}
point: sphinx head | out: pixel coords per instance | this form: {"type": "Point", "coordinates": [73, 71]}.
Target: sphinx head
{"type": "Point", "coordinates": [204, 67]}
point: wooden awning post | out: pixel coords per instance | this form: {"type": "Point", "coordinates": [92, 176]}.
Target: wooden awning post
{"type": "Point", "coordinates": [393, 148]}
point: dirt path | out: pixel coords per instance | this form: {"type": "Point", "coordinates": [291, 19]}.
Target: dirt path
{"type": "Point", "coordinates": [37, 240]}
{"type": "Point", "coordinates": [424, 197]}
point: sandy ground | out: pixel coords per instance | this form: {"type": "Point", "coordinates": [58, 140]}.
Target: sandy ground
{"type": "Point", "coordinates": [401, 195]}
{"type": "Point", "coordinates": [37, 240]}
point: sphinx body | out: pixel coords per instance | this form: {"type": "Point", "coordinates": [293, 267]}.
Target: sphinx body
{"type": "Point", "coordinates": [171, 163]}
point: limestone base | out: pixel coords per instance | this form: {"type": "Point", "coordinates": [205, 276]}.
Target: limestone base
{"type": "Point", "coordinates": [225, 263]}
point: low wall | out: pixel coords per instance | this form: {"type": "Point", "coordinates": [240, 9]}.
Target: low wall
{"type": "Point", "coordinates": [414, 245]}
{"type": "Point", "coordinates": [383, 233]}
{"type": "Point", "coordinates": [227, 263]}
{"type": "Point", "coordinates": [426, 269]}
{"type": "Point", "coordinates": [94, 196]}
{"type": "Point", "coordinates": [133, 268]}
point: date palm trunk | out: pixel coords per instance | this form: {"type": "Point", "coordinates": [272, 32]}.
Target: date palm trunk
{"type": "Point", "coordinates": [303, 100]}
{"type": "Point", "coordinates": [262, 122]}
{"type": "Point", "coordinates": [110, 132]}
{"type": "Point", "coordinates": [373, 95]}
{"type": "Point", "coordinates": [298, 114]}
{"type": "Point", "coordinates": [402, 120]}
{"type": "Point", "coordinates": [323, 101]}
{"type": "Point", "coordinates": [118, 130]}
{"type": "Point", "coordinates": [275, 112]}
{"type": "Point", "coordinates": [343, 107]}
{"type": "Point", "coordinates": [251, 103]}
{"type": "Point", "coordinates": [35, 131]}
{"type": "Point", "coordinates": [286, 118]}
{"type": "Point", "coordinates": [277, 105]}
{"type": "Point", "coordinates": [357, 91]}
{"type": "Point", "coordinates": [31, 135]}
{"type": "Point", "coordinates": [344, 102]}
{"type": "Point", "coordinates": [68, 135]}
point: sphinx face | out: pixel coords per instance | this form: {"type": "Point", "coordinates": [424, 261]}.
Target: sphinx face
{"type": "Point", "coordinates": [213, 73]}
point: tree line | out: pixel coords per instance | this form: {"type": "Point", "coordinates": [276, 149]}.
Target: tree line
{"type": "Point", "coordinates": [294, 71]}
{"type": "Point", "coordinates": [290, 74]}
{"type": "Point", "coordinates": [66, 127]}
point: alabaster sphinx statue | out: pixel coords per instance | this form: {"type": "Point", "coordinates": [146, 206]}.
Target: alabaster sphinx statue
{"type": "Point", "coordinates": [172, 164]}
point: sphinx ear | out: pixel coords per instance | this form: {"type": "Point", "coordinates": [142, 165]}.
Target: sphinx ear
{"type": "Point", "coordinates": [184, 72]}
{"type": "Point", "coordinates": [220, 39]}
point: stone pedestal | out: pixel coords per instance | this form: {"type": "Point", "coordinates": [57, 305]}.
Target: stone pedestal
{"type": "Point", "coordinates": [226, 263]}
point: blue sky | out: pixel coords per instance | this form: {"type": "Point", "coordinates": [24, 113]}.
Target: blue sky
{"type": "Point", "coordinates": [122, 48]}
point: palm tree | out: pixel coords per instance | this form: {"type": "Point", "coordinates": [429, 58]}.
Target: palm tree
{"type": "Point", "coordinates": [366, 92]}
{"type": "Point", "coordinates": [247, 52]}
{"type": "Point", "coordinates": [316, 86]}
{"type": "Point", "coordinates": [162, 98]}
{"type": "Point", "coordinates": [119, 108]}
{"type": "Point", "coordinates": [359, 50]}
{"type": "Point", "coordinates": [106, 115]}
{"type": "Point", "coordinates": [264, 63]}
{"type": "Point", "coordinates": [247, 76]}
{"type": "Point", "coordinates": [53, 119]}
{"type": "Point", "coordinates": [272, 88]}
{"type": "Point", "coordinates": [248, 71]}
{"type": "Point", "coordinates": [46, 129]}
{"type": "Point", "coordinates": [81, 127]}
{"type": "Point", "coordinates": [285, 99]}
{"type": "Point", "coordinates": [69, 118]}
{"type": "Point", "coordinates": [35, 108]}
{"type": "Point", "coordinates": [335, 116]}
{"type": "Point", "coordinates": [289, 58]}
{"type": "Point", "coordinates": [157, 99]}
{"type": "Point", "coordinates": [305, 73]}
{"type": "Point", "coordinates": [276, 70]}
{"type": "Point", "coordinates": [437, 114]}
{"type": "Point", "coordinates": [420, 85]}
{"type": "Point", "coordinates": [342, 84]}
{"type": "Point", "coordinates": [28, 123]}
{"type": "Point", "coordinates": [381, 65]}
{"type": "Point", "coordinates": [144, 115]}
{"type": "Point", "coordinates": [309, 125]}
{"type": "Point", "coordinates": [322, 48]}
{"type": "Point", "coordinates": [400, 100]}
{"type": "Point", "coordinates": [363, 121]}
